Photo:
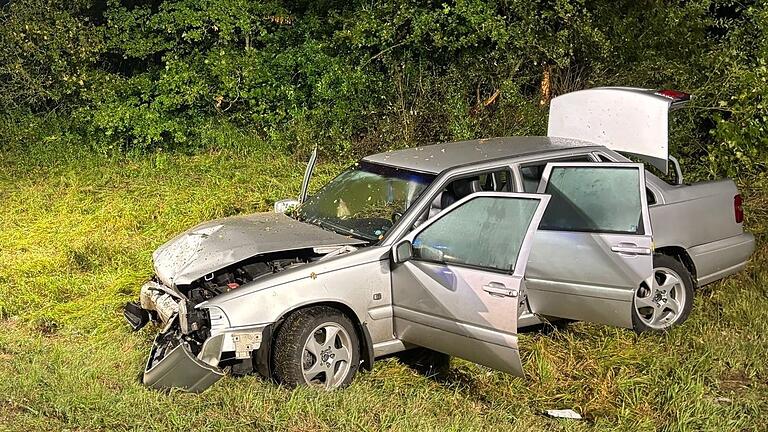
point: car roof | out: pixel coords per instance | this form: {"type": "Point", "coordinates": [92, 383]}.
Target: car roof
{"type": "Point", "coordinates": [439, 157]}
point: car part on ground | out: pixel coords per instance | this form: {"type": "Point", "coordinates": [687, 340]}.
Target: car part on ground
{"type": "Point", "coordinates": [174, 362]}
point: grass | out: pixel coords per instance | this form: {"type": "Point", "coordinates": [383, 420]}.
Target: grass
{"type": "Point", "coordinates": [75, 244]}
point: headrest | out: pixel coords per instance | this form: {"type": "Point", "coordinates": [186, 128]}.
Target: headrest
{"type": "Point", "coordinates": [464, 187]}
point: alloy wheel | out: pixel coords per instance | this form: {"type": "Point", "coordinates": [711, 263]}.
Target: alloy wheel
{"type": "Point", "coordinates": [662, 305]}
{"type": "Point", "coordinates": [326, 356]}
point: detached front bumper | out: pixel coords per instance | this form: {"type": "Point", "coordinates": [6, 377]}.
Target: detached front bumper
{"type": "Point", "coordinates": [180, 368]}
{"type": "Point", "coordinates": [195, 345]}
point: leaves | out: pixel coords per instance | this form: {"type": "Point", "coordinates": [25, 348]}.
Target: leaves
{"type": "Point", "coordinates": [362, 76]}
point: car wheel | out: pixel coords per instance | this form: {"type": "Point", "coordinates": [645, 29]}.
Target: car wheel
{"type": "Point", "coordinates": [669, 301]}
{"type": "Point", "coordinates": [427, 362]}
{"type": "Point", "coordinates": [317, 346]}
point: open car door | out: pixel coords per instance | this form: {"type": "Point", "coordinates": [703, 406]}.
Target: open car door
{"type": "Point", "coordinates": [457, 280]}
{"type": "Point", "coordinates": [594, 247]}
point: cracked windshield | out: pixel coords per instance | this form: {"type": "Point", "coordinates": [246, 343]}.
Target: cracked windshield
{"type": "Point", "coordinates": [365, 200]}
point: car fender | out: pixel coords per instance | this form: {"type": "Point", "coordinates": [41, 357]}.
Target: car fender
{"type": "Point", "coordinates": [344, 279]}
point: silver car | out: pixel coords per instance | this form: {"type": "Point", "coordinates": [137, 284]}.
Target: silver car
{"type": "Point", "coordinates": [449, 250]}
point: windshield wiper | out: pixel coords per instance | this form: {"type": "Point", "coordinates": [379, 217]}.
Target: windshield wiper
{"type": "Point", "coordinates": [338, 229]}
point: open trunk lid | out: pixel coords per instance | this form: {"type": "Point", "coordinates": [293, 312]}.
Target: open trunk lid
{"type": "Point", "coordinates": [625, 119]}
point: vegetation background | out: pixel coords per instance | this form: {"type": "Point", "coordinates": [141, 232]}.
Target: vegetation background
{"type": "Point", "coordinates": [125, 122]}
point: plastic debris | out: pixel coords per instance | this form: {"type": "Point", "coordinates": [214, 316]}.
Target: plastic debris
{"type": "Point", "coordinates": [564, 413]}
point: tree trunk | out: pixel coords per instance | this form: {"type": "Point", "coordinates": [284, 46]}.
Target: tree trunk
{"type": "Point", "coordinates": [546, 85]}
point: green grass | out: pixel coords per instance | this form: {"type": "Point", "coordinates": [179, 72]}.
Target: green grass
{"type": "Point", "coordinates": [76, 236]}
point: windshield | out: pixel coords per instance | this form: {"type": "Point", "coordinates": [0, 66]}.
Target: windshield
{"type": "Point", "coordinates": [365, 200]}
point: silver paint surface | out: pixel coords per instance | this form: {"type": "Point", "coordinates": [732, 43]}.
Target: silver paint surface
{"type": "Point", "coordinates": [439, 157]}
{"type": "Point", "coordinates": [216, 244]}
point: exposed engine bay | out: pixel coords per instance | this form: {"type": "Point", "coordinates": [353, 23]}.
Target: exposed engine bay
{"type": "Point", "coordinates": [161, 302]}
{"type": "Point", "coordinates": [187, 332]}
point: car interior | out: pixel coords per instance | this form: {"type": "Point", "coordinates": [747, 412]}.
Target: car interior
{"type": "Point", "coordinates": [460, 188]}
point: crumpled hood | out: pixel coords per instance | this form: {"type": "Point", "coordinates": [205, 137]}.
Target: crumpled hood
{"type": "Point", "coordinates": [219, 243]}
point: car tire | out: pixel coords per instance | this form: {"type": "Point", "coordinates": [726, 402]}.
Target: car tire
{"type": "Point", "coordinates": [317, 346]}
{"type": "Point", "coordinates": [427, 362]}
{"type": "Point", "coordinates": [669, 302]}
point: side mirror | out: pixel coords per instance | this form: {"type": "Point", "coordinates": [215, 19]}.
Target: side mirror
{"type": "Point", "coordinates": [285, 205]}
{"type": "Point", "coordinates": [402, 251]}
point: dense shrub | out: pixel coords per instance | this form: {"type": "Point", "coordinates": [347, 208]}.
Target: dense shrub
{"type": "Point", "coordinates": [49, 53]}
{"type": "Point", "coordinates": [360, 76]}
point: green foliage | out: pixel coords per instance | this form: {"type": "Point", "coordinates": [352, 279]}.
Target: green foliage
{"type": "Point", "coordinates": [49, 52]}
{"type": "Point", "coordinates": [740, 146]}
{"type": "Point", "coordinates": [359, 76]}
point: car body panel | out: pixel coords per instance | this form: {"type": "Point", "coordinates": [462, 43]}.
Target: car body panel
{"type": "Point", "coordinates": [624, 119]}
{"type": "Point", "coordinates": [718, 259]}
{"type": "Point", "coordinates": [215, 244]}
{"type": "Point", "coordinates": [350, 280]}
{"type": "Point", "coordinates": [180, 369]}
{"type": "Point", "coordinates": [437, 158]}
{"type": "Point", "coordinates": [467, 312]}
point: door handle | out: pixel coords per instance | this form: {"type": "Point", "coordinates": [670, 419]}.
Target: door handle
{"type": "Point", "coordinates": [630, 249]}
{"type": "Point", "coordinates": [499, 290]}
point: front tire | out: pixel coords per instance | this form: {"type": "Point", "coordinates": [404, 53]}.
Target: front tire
{"type": "Point", "coordinates": [668, 302]}
{"type": "Point", "coordinates": [317, 346]}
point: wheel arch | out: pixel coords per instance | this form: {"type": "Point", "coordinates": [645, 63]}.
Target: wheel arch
{"type": "Point", "coordinates": [264, 354]}
{"type": "Point", "coordinates": [681, 254]}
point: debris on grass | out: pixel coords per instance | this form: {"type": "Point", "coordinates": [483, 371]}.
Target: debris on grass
{"type": "Point", "coordinates": [563, 413]}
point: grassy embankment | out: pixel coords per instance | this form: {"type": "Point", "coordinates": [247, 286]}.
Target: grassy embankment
{"type": "Point", "coordinates": [76, 235]}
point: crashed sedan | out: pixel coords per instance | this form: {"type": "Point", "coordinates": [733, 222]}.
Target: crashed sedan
{"type": "Point", "coordinates": [450, 248]}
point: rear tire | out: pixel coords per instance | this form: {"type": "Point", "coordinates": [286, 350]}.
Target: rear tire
{"type": "Point", "coordinates": [669, 302]}
{"type": "Point", "coordinates": [317, 346]}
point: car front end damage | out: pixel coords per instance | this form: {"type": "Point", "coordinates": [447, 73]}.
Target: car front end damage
{"type": "Point", "coordinates": [195, 346]}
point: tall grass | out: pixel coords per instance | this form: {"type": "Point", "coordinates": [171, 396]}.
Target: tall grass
{"type": "Point", "coordinates": [76, 237]}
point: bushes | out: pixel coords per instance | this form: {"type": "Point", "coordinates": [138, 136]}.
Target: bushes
{"type": "Point", "coordinates": [740, 108]}
{"type": "Point", "coordinates": [360, 76]}
{"type": "Point", "coordinates": [48, 56]}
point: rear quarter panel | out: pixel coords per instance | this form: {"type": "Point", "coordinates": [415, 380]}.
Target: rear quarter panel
{"type": "Point", "coordinates": [691, 215]}
{"type": "Point", "coordinates": [700, 218]}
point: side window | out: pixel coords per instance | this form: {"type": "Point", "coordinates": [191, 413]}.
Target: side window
{"type": "Point", "coordinates": [650, 197]}
{"type": "Point", "coordinates": [531, 173]}
{"type": "Point", "coordinates": [491, 181]}
{"type": "Point", "coordinates": [594, 199]}
{"type": "Point", "coordinates": [492, 232]}
{"type": "Point", "coordinates": [602, 158]}
{"type": "Point", "coordinates": [496, 181]}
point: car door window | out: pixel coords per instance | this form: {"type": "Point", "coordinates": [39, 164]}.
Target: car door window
{"type": "Point", "coordinates": [531, 173]}
{"type": "Point", "coordinates": [492, 230]}
{"type": "Point", "coordinates": [594, 199]}
{"type": "Point", "coordinates": [650, 196]}
{"type": "Point", "coordinates": [490, 181]}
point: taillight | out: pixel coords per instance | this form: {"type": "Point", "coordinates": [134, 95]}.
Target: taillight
{"type": "Point", "coordinates": [676, 96]}
{"type": "Point", "coordinates": [738, 210]}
